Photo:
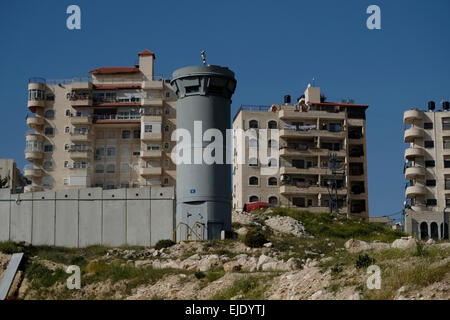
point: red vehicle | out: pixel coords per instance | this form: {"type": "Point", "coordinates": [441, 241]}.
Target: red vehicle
{"type": "Point", "coordinates": [249, 207]}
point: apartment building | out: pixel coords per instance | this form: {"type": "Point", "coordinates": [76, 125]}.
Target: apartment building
{"type": "Point", "coordinates": [427, 171]}
{"type": "Point", "coordinates": [311, 133]}
{"type": "Point", "coordinates": [111, 129]}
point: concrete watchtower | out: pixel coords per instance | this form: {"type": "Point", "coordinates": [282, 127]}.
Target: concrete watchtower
{"type": "Point", "coordinates": [203, 190]}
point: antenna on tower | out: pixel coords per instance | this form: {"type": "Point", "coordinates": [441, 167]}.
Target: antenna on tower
{"type": "Point", "coordinates": [203, 54]}
{"type": "Point", "coordinates": [313, 82]}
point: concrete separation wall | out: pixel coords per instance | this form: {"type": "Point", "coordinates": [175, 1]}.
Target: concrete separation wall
{"type": "Point", "coordinates": [85, 217]}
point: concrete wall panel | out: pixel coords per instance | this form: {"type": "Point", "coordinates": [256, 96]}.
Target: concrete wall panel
{"type": "Point", "coordinates": [5, 207]}
{"type": "Point", "coordinates": [44, 218]}
{"type": "Point", "coordinates": [162, 213]}
{"type": "Point", "coordinates": [114, 217]}
{"type": "Point", "coordinates": [66, 218]}
{"type": "Point", "coordinates": [21, 218]}
{"type": "Point", "coordinates": [90, 207]}
{"type": "Point", "coordinates": [138, 217]}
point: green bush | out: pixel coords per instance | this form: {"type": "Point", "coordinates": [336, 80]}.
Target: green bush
{"type": "Point", "coordinates": [420, 249]}
{"type": "Point", "coordinates": [199, 275]}
{"type": "Point", "coordinates": [254, 239]}
{"type": "Point", "coordinates": [9, 248]}
{"type": "Point", "coordinates": [164, 244]}
{"type": "Point", "coordinates": [337, 268]}
{"type": "Point", "coordinates": [364, 260]}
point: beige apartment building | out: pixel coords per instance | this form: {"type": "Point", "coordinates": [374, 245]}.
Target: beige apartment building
{"type": "Point", "coordinates": [427, 171]}
{"type": "Point", "coordinates": [111, 130]}
{"type": "Point", "coordinates": [311, 132]}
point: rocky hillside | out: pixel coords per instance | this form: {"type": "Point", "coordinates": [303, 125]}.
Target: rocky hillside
{"type": "Point", "coordinates": [277, 254]}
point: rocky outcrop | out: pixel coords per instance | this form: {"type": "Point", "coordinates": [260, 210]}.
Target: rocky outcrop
{"type": "Point", "coordinates": [288, 225]}
{"type": "Point", "coordinates": [404, 243]}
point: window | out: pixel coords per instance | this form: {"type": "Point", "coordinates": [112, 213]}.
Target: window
{"type": "Point", "coordinates": [153, 147]}
{"type": "Point", "coordinates": [50, 114]}
{"type": "Point", "coordinates": [446, 163]}
{"type": "Point", "coordinates": [167, 111]}
{"type": "Point", "coordinates": [166, 145]}
{"type": "Point", "coordinates": [253, 162]}
{"type": "Point", "coordinates": [273, 144]}
{"type": "Point", "coordinates": [273, 201]}
{"type": "Point", "coordinates": [446, 124]}
{"type": "Point", "coordinates": [110, 168]}
{"type": "Point", "coordinates": [253, 199]}
{"type": "Point", "coordinates": [429, 163]}
{"type": "Point", "coordinates": [47, 165]}
{"type": "Point", "coordinates": [126, 134]}
{"type": "Point", "coordinates": [48, 148]}
{"type": "Point", "coordinates": [111, 151]}
{"type": "Point", "coordinates": [166, 180]}
{"type": "Point", "coordinates": [428, 125]}
{"type": "Point", "coordinates": [66, 129]}
{"type": "Point", "coordinates": [272, 124]}
{"type": "Point", "coordinates": [66, 146]}
{"type": "Point", "coordinates": [272, 181]}
{"type": "Point", "coordinates": [49, 131]}
{"type": "Point", "coordinates": [253, 181]}
{"type": "Point", "coordinates": [136, 153]}
{"type": "Point", "coordinates": [166, 128]}
{"type": "Point", "coordinates": [148, 128]}
{"type": "Point", "coordinates": [431, 183]}
{"type": "Point", "coordinates": [167, 94]}
{"type": "Point", "coordinates": [66, 164]}
{"type": "Point", "coordinates": [166, 163]}
{"type": "Point", "coordinates": [253, 143]}
{"type": "Point", "coordinates": [137, 134]}
{"type": "Point", "coordinates": [273, 163]}
{"type": "Point", "coordinates": [253, 124]}
{"type": "Point", "coordinates": [50, 97]}
{"type": "Point", "coordinates": [431, 202]}
{"type": "Point", "coordinates": [68, 113]}
{"type": "Point", "coordinates": [47, 181]}
{"type": "Point", "coordinates": [66, 181]}
{"type": "Point", "coordinates": [99, 168]}
{"type": "Point", "coordinates": [429, 144]}
{"type": "Point", "coordinates": [98, 185]}
{"type": "Point", "coordinates": [100, 152]}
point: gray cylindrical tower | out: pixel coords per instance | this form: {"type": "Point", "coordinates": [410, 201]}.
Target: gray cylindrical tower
{"type": "Point", "coordinates": [203, 190]}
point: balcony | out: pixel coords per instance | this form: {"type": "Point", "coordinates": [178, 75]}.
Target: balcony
{"type": "Point", "coordinates": [152, 102]}
{"type": "Point", "coordinates": [412, 153]}
{"type": "Point", "coordinates": [413, 133]}
{"type": "Point", "coordinates": [152, 171]}
{"type": "Point", "coordinates": [287, 133]}
{"type": "Point", "coordinates": [151, 136]}
{"type": "Point", "coordinates": [153, 85]}
{"type": "Point", "coordinates": [311, 170]}
{"type": "Point", "coordinates": [296, 115]}
{"type": "Point", "coordinates": [414, 191]}
{"type": "Point", "coordinates": [297, 190]}
{"type": "Point", "coordinates": [151, 154]}
{"type": "Point", "coordinates": [35, 122]}
{"type": "Point", "coordinates": [34, 155]}
{"type": "Point", "coordinates": [33, 136]}
{"type": "Point", "coordinates": [83, 120]}
{"type": "Point", "coordinates": [32, 172]}
{"type": "Point", "coordinates": [151, 118]}
{"type": "Point", "coordinates": [81, 137]}
{"type": "Point", "coordinates": [81, 102]}
{"type": "Point", "coordinates": [410, 116]}
{"type": "Point", "coordinates": [80, 154]}
{"type": "Point", "coordinates": [414, 173]}
{"type": "Point", "coordinates": [34, 103]}
{"type": "Point", "coordinates": [310, 151]}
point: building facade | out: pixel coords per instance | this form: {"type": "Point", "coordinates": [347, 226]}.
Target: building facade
{"type": "Point", "coordinates": [111, 130]}
{"type": "Point", "coordinates": [11, 177]}
{"type": "Point", "coordinates": [427, 171]}
{"type": "Point", "coordinates": [312, 134]}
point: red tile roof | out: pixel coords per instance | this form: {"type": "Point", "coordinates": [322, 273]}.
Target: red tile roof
{"type": "Point", "coordinates": [106, 70]}
{"type": "Point", "coordinates": [146, 53]}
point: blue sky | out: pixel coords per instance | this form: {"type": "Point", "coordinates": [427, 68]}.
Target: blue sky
{"type": "Point", "coordinates": [274, 47]}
